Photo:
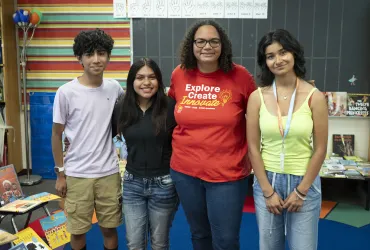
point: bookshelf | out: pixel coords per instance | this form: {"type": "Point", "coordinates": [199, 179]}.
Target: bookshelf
{"type": "Point", "coordinates": [368, 149]}
{"type": "Point", "coordinates": [11, 94]}
{"type": "Point", "coordinates": [349, 117]}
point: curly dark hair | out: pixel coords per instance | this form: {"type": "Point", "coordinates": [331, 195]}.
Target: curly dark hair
{"type": "Point", "coordinates": [187, 58]}
{"type": "Point", "coordinates": [87, 42]}
{"type": "Point", "coordinates": [289, 43]}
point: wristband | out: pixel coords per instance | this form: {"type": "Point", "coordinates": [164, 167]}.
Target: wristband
{"type": "Point", "coordinates": [268, 197]}
{"type": "Point", "coordinates": [299, 196]}
{"type": "Point", "coordinates": [300, 193]}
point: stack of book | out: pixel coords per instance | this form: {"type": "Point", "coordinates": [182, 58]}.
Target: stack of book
{"type": "Point", "coordinates": [351, 167]}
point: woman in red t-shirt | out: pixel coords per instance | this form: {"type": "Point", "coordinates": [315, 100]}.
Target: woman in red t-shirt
{"type": "Point", "coordinates": [209, 163]}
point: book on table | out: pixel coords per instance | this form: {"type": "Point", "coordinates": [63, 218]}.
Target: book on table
{"type": "Point", "coordinates": [20, 206]}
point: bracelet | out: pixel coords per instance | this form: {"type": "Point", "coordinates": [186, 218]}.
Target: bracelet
{"type": "Point", "coordinates": [299, 196]}
{"type": "Point", "coordinates": [300, 192]}
{"type": "Point", "coordinates": [268, 197]}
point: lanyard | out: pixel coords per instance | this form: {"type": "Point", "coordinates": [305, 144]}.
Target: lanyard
{"type": "Point", "coordinates": [285, 131]}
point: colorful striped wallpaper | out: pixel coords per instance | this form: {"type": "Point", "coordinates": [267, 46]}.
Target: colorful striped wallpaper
{"type": "Point", "coordinates": [51, 62]}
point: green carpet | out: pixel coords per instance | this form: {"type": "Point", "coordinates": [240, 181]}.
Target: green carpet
{"type": "Point", "coordinates": [352, 215]}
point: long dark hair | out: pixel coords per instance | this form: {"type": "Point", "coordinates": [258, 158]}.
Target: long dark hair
{"type": "Point", "coordinates": [187, 58]}
{"type": "Point", "coordinates": [129, 113]}
{"type": "Point", "coordinates": [289, 43]}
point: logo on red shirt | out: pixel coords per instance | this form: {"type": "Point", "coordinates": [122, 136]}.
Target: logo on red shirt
{"type": "Point", "coordinates": [203, 97]}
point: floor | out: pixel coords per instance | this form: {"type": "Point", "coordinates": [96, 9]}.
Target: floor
{"type": "Point", "coordinates": [348, 193]}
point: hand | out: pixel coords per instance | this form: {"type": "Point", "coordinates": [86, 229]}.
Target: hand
{"type": "Point", "coordinates": [293, 203]}
{"type": "Point", "coordinates": [66, 143]}
{"type": "Point", "coordinates": [274, 204]}
{"type": "Point", "coordinates": [61, 186]}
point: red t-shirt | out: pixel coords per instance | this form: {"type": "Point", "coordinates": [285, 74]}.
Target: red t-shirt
{"type": "Point", "coordinates": [209, 141]}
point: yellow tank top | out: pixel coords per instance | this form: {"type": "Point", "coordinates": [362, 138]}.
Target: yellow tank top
{"type": "Point", "coordinates": [298, 149]}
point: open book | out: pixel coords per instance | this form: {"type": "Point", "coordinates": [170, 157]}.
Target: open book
{"type": "Point", "coordinates": [20, 206]}
{"type": "Point", "coordinates": [31, 239]}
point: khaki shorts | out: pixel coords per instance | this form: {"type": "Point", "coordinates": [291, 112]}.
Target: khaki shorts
{"type": "Point", "coordinates": [84, 194]}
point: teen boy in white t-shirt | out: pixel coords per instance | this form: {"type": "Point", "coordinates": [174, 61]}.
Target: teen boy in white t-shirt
{"type": "Point", "coordinates": [88, 176]}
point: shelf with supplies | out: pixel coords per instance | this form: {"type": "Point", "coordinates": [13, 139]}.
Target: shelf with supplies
{"type": "Point", "coordinates": [349, 117]}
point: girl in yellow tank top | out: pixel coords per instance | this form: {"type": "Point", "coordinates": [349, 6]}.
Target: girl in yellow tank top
{"type": "Point", "coordinates": [285, 117]}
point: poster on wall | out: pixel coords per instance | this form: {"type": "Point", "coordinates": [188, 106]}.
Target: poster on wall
{"type": "Point", "coordinates": [174, 8]}
{"type": "Point", "coordinates": [135, 8]}
{"type": "Point", "coordinates": [260, 9]}
{"type": "Point", "coordinates": [256, 9]}
{"type": "Point", "coordinates": [159, 8]}
{"type": "Point", "coordinates": [246, 8]}
{"type": "Point", "coordinates": [231, 8]}
{"type": "Point", "coordinates": [119, 9]}
{"type": "Point", "coordinates": [217, 9]}
{"type": "Point", "coordinates": [188, 8]}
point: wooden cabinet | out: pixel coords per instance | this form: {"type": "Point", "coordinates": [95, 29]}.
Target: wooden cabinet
{"type": "Point", "coordinates": [10, 69]}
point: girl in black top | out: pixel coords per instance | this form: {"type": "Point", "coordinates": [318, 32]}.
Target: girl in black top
{"type": "Point", "coordinates": [146, 121]}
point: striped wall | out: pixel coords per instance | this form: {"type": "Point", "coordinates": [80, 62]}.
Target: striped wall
{"type": "Point", "coordinates": [51, 62]}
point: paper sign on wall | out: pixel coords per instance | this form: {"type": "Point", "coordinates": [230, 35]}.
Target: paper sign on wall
{"type": "Point", "coordinates": [256, 9]}
{"type": "Point", "coordinates": [119, 9]}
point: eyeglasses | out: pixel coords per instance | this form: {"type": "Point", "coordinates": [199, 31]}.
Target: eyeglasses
{"type": "Point", "coordinates": [201, 43]}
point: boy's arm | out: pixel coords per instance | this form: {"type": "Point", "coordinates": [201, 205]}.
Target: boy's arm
{"type": "Point", "coordinates": [57, 145]}
{"type": "Point", "coordinates": [57, 148]}
{"type": "Point", "coordinates": [60, 114]}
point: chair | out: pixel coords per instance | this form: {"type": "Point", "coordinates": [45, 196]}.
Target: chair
{"type": "Point", "coordinates": [8, 177]}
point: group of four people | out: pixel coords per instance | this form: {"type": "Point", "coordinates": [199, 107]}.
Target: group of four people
{"type": "Point", "coordinates": [190, 146]}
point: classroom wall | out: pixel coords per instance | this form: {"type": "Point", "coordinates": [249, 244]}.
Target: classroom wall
{"type": "Point", "coordinates": [51, 62]}
{"type": "Point", "coordinates": [335, 35]}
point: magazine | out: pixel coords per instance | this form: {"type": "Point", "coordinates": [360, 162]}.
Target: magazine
{"type": "Point", "coordinates": [55, 229]}
{"type": "Point", "coordinates": [20, 206]}
{"type": "Point", "coordinates": [6, 237]}
{"type": "Point", "coordinates": [10, 190]}
{"type": "Point", "coordinates": [43, 197]}
{"type": "Point", "coordinates": [20, 246]}
{"type": "Point", "coordinates": [31, 240]}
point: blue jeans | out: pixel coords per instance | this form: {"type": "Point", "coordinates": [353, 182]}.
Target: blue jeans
{"type": "Point", "coordinates": [150, 205]}
{"type": "Point", "coordinates": [213, 210]}
{"type": "Point", "coordinates": [300, 229]}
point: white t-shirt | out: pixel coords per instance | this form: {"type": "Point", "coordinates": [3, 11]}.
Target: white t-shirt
{"type": "Point", "coordinates": [86, 114]}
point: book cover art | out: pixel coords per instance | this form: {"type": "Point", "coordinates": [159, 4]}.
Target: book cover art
{"type": "Point", "coordinates": [10, 190]}
{"type": "Point", "coordinates": [358, 105]}
{"type": "Point", "coordinates": [55, 229]}
{"type": "Point", "coordinates": [43, 197]}
{"type": "Point", "coordinates": [6, 237]}
{"type": "Point", "coordinates": [19, 206]}
{"type": "Point", "coordinates": [344, 145]}
{"type": "Point", "coordinates": [337, 103]}
{"type": "Point", "coordinates": [31, 240]}
{"type": "Point", "coordinates": [20, 246]}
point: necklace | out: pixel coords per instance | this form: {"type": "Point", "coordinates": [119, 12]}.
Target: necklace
{"type": "Point", "coordinates": [285, 97]}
